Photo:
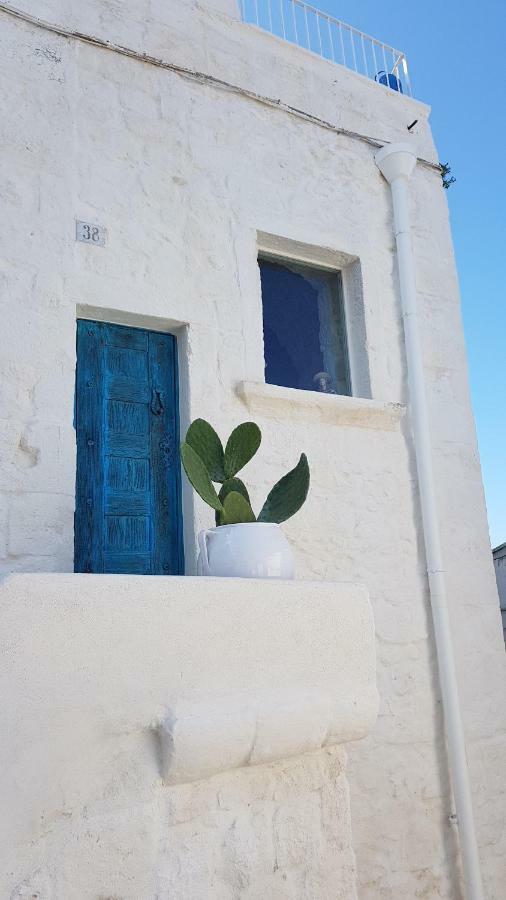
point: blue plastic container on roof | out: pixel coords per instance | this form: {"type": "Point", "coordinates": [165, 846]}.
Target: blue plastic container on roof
{"type": "Point", "coordinates": [389, 80]}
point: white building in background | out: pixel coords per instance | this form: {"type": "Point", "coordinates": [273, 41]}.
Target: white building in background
{"type": "Point", "coordinates": [499, 555]}
{"type": "Point", "coordinates": [203, 204]}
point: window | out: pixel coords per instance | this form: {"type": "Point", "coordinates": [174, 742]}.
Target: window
{"type": "Point", "coordinates": [304, 327]}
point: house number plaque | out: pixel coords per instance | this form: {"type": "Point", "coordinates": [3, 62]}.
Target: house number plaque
{"type": "Point", "coordinates": [90, 234]}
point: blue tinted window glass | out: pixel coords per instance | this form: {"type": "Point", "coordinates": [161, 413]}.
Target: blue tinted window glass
{"type": "Point", "coordinates": [304, 328]}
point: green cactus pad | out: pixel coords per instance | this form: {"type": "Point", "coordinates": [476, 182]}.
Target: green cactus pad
{"type": "Point", "coordinates": [199, 476]}
{"type": "Point", "coordinates": [236, 510]}
{"type": "Point", "coordinates": [242, 445]}
{"type": "Point", "coordinates": [288, 495]}
{"type": "Point", "coordinates": [231, 484]}
{"type": "Point", "coordinates": [202, 438]}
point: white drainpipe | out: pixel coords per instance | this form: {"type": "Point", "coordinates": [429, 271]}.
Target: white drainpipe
{"type": "Point", "coordinates": [397, 162]}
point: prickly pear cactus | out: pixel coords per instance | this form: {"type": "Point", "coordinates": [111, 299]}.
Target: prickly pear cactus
{"type": "Point", "coordinates": [205, 461]}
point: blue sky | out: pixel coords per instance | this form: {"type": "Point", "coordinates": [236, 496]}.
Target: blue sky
{"type": "Point", "coordinates": [457, 57]}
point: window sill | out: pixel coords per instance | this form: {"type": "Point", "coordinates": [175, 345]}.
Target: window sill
{"type": "Point", "coordinates": [311, 406]}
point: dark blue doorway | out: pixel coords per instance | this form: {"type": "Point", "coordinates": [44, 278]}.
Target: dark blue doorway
{"type": "Point", "coordinates": [128, 515]}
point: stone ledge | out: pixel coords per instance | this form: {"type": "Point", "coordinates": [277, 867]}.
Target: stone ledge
{"type": "Point", "coordinates": [311, 406]}
{"type": "Point", "coordinates": [222, 672]}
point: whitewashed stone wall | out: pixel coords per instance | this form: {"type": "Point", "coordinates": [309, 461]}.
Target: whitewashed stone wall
{"type": "Point", "coordinates": [185, 176]}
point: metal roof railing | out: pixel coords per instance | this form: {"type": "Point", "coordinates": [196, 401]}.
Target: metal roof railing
{"type": "Point", "coordinates": [318, 32]}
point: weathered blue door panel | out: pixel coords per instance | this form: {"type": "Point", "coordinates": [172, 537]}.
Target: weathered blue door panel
{"type": "Point", "coordinates": [128, 496]}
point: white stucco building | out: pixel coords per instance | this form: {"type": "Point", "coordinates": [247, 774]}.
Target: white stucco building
{"type": "Point", "coordinates": [197, 738]}
{"type": "Point", "coordinates": [499, 557]}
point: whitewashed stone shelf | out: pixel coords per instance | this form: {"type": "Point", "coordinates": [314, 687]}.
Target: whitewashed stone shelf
{"type": "Point", "coordinates": [118, 690]}
{"type": "Point", "coordinates": [229, 672]}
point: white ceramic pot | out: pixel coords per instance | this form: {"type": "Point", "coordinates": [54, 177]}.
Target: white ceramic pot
{"type": "Point", "coordinates": [248, 550]}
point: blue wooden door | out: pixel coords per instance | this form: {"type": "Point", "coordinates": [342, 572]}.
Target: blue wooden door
{"type": "Point", "coordinates": [128, 498]}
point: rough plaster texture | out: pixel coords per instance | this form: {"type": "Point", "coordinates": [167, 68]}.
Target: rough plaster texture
{"type": "Point", "coordinates": [184, 176]}
{"type": "Point", "coordinates": [118, 692]}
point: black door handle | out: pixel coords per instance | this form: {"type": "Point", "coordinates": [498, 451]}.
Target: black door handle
{"type": "Point", "coordinates": [156, 402]}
